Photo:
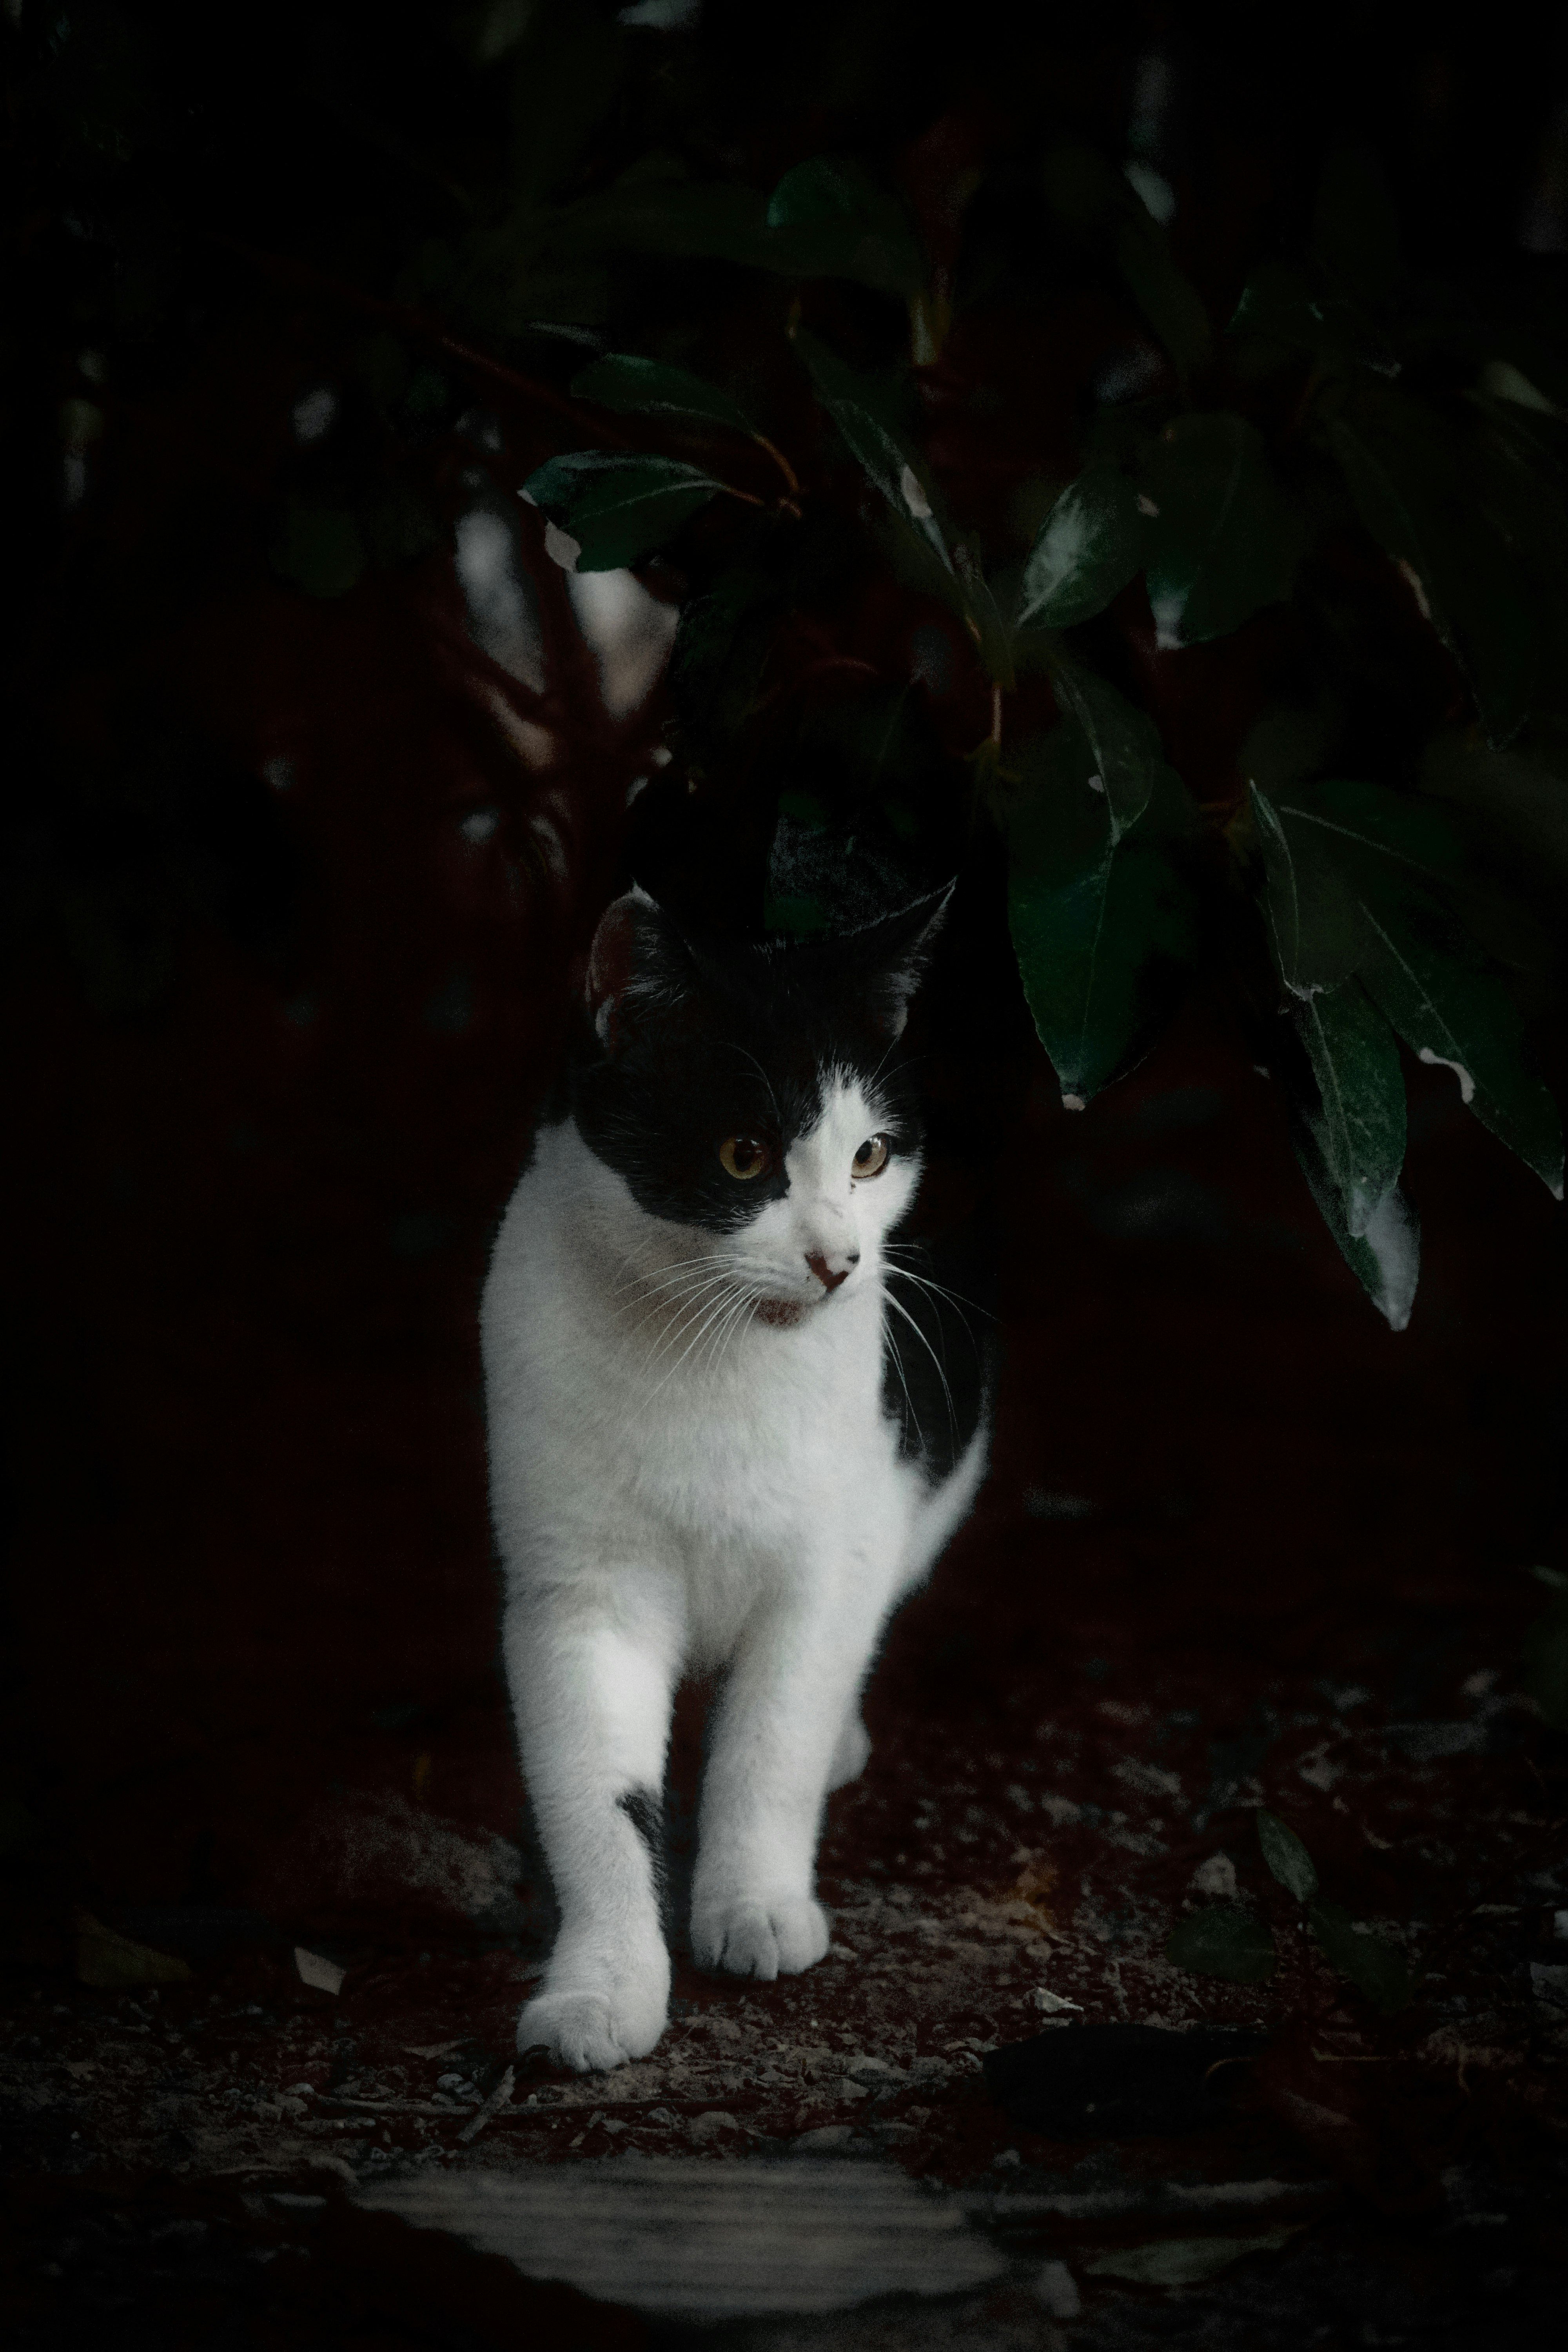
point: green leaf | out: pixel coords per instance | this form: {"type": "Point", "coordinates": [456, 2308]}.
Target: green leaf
{"type": "Point", "coordinates": [1087, 198]}
{"type": "Point", "coordinates": [112, 1961]}
{"type": "Point", "coordinates": [824, 220]}
{"type": "Point", "coordinates": [1545, 1661]}
{"type": "Point", "coordinates": [819, 191]}
{"type": "Point", "coordinates": [923, 550]}
{"type": "Point", "coordinates": [1098, 917]}
{"type": "Point", "coordinates": [833, 219]}
{"type": "Point", "coordinates": [1089, 546]}
{"type": "Point", "coordinates": [993, 638]}
{"type": "Point", "coordinates": [1278, 308]}
{"type": "Point", "coordinates": [1405, 474]}
{"type": "Point", "coordinates": [319, 548]}
{"type": "Point", "coordinates": [1455, 1012]}
{"type": "Point", "coordinates": [618, 507]}
{"type": "Point", "coordinates": [1286, 1857]}
{"type": "Point", "coordinates": [639, 387]}
{"type": "Point", "coordinates": [1373, 1965]}
{"type": "Point", "coordinates": [1124, 742]}
{"type": "Point", "coordinates": [656, 206]}
{"type": "Point", "coordinates": [1313, 919]}
{"type": "Point", "coordinates": [865, 413]}
{"type": "Point", "coordinates": [1168, 300]}
{"type": "Point", "coordinates": [1346, 866]}
{"type": "Point", "coordinates": [1223, 1942]}
{"type": "Point", "coordinates": [1352, 816]}
{"type": "Point", "coordinates": [1224, 540]}
{"type": "Point", "coordinates": [1386, 1258]}
{"type": "Point", "coordinates": [1359, 1124]}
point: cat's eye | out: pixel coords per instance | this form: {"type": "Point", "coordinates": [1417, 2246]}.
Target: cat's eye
{"type": "Point", "coordinates": [872, 1158]}
{"type": "Point", "coordinates": [743, 1155]}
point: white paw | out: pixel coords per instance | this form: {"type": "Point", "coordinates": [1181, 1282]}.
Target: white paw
{"type": "Point", "coordinates": [592, 2032]}
{"type": "Point", "coordinates": [849, 1758]}
{"type": "Point", "coordinates": [778, 1937]}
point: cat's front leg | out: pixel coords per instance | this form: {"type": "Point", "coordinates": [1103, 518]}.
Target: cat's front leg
{"type": "Point", "coordinates": [781, 1728]}
{"type": "Point", "coordinates": [592, 1675]}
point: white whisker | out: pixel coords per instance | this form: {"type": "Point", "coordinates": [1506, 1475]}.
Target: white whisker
{"type": "Point", "coordinates": [931, 1352]}
{"type": "Point", "coordinates": [903, 1383]}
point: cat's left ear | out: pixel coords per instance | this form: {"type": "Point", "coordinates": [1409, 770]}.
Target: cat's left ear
{"type": "Point", "coordinates": [894, 954]}
{"type": "Point", "coordinates": [636, 962]}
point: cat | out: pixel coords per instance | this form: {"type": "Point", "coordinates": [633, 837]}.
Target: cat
{"type": "Point", "coordinates": [707, 1451]}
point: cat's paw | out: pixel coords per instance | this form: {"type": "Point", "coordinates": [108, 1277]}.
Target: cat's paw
{"type": "Point", "coordinates": [777, 1938]}
{"type": "Point", "coordinates": [591, 2032]}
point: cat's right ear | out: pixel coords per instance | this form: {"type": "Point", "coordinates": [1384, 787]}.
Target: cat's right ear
{"type": "Point", "coordinates": [634, 957]}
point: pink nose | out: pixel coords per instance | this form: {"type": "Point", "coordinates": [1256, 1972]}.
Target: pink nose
{"type": "Point", "coordinates": [823, 1272]}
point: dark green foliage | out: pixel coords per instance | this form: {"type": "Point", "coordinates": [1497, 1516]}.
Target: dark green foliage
{"type": "Point", "coordinates": [753, 297]}
{"type": "Point", "coordinates": [1226, 1941]}
{"type": "Point", "coordinates": [1089, 546]}
{"type": "Point", "coordinates": [1286, 1857]}
{"type": "Point", "coordinates": [623, 381]}
{"type": "Point", "coordinates": [1223, 1941]}
{"type": "Point", "coordinates": [617, 508]}
{"type": "Point", "coordinates": [1373, 1965]}
{"type": "Point", "coordinates": [1412, 485]}
{"type": "Point", "coordinates": [833, 220]}
{"type": "Point", "coordinates": [1223, 539]}
{"type": "Point", "coordinates": [1358, 1125]}
{"type": "Point", "coordinates": [1101, 912]}
{"type": "Point", "coordinates": [1354, 875]}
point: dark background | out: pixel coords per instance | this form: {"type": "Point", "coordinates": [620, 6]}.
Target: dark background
{"type": "Point", "coordinates": [276, 1032]}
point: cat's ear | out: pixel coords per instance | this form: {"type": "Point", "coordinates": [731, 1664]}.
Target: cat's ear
{"type": "Point", "coordinates": [894, 953]}
{"type": "Point", "coordinates": [636, 961]}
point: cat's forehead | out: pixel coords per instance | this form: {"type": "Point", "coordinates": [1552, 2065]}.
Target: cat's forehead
{"type": "Point", "coordinates": [847, 1111]}
{"type": "Point", "coordinates": [805, 1078]}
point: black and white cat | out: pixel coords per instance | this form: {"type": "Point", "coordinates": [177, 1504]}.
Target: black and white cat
{"type": "Point", "coordinates": [703, 1451]}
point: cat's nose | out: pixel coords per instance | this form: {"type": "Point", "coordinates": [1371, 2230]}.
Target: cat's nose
{"type": "Point", "coordinates": [829, 1276]}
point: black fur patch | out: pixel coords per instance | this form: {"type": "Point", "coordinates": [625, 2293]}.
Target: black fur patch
{"type": "Point", "coordinates": [719, 1038]}
{"type": "Point", "coordinates": [939, 1350]}
{"type": "Point", "coordinates": [644, 1810]}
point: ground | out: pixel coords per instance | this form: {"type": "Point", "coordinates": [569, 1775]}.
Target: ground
{"type": "Point", "coordinates": [1241, 1547]}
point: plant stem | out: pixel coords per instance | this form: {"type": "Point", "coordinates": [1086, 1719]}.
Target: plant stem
{"type": "Point", "coordinates": [781, 461]}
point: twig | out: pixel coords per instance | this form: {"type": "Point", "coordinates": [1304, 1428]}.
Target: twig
{"type": "Point", "coordinates": [492, 2105]}
{"type": "Point", "coordinates": [392, 2107]}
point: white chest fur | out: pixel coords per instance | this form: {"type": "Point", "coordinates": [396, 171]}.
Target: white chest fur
{"type": "Point", "coordinates": [632, 1432]}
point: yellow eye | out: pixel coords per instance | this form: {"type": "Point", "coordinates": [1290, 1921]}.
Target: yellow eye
{"type": "Point", "coordinates": [743, 1155]}
{"type": "Point", "coordinates": [872, 1158]}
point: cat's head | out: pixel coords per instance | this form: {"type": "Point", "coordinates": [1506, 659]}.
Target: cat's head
{"type": "Point", "coordinates": [752, 1099]}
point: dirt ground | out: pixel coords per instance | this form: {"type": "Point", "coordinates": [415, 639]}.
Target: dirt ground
{"type": "Point", "coordinates": [1240, 1545]}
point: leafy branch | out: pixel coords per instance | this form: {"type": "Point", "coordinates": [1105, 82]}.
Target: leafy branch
{"type": "Point", "coordinates": [1323, 504]}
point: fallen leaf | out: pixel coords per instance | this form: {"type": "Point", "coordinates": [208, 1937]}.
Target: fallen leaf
{"type": "Point", "coordinates": [108, 1960]}
{"type": "Point", "coordinates": [1183, 2262]}
{"type": "Point", "coordinates": [325, 1975]}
